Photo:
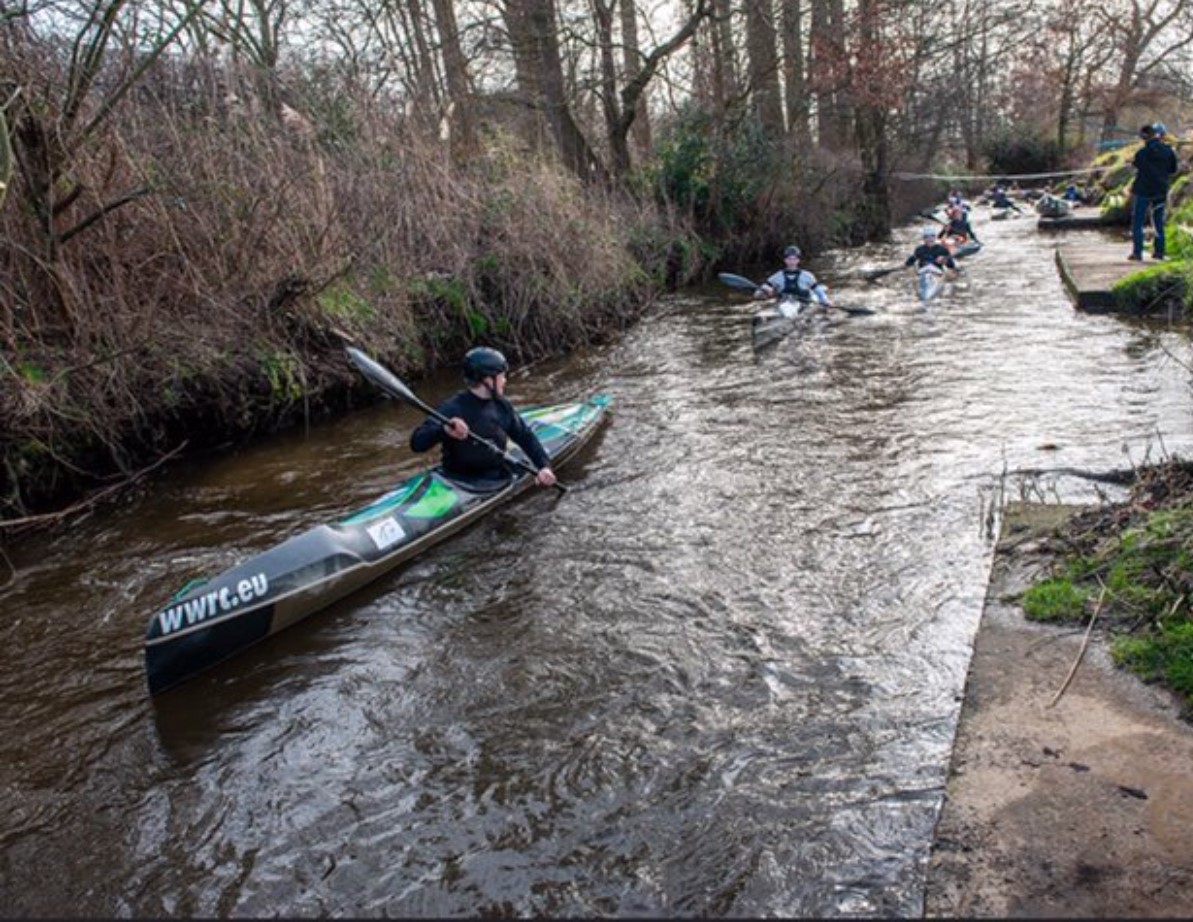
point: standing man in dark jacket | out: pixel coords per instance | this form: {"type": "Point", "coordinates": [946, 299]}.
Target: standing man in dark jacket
{"type": "Point", "coordinates": [1155, 164]}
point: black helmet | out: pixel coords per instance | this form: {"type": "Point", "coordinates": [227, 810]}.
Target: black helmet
{"type": "Point", "coordinates": [481, 362]}
{"type": "Point", "coordinates": [791, 250]}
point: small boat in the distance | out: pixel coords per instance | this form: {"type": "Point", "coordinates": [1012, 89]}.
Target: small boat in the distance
{"type": "Point", "coordinates": [784, 317]}
{"type": "Point", "coordinates": [1053, 206]}
{"type": "Point", "coordinates": [929, 281]}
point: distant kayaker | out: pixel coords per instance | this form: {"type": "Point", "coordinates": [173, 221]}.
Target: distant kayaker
{"type": "Point", "coordinates": [1000, 199]}
{"type": "Point", "coordinates": [957, 198]}
{"type": "Point", "coordinates": [958, 226]}
{"type": "Point", "coordinates": [793, 282]}
{"type": "Point", "coordinates": [1155, 165]}
{"type": "Point", "coordinates": [481, 409]}
{"type": "Point", "coordinates": [931, 252]}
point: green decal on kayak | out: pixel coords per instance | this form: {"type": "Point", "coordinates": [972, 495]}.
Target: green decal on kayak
{"type": "Point", "coordinates": [386, 504]}
{"type": "Point", "coordinates": [556, 422]}
{"type": "Point", "coordinates": [435, 503]}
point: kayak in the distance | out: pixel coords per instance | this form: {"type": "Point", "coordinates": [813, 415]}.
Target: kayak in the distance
{"type": "Point", "coordinates": [785, 314]}
{"type": "Point", "coordinates": [209, 621]}
{"type": "Point", "coordinates": [960, 248]}
{"type": "Point", "coordinates": [929, 282]}
{"type": "Point", "coordinates": [783, 318]}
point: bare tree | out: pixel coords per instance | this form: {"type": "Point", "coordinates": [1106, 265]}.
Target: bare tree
{"type": "Point", "coordinates": [1075, 48]}
{"type": "Point", "coordinates": [828, 66]}
{"type": "Point", "coordinates": [631, 64]}
{"type": "Point", "coordinates": [459, 82]}
{"type": "Point", "coordinates": [716, 79]}
{"type": "Point", "coordinates": [634, 91]}
{"type": "Point", "coordinates": [46, 144]}
{"type": "Point", "coordinates": [1148, 36]}
{"type": "Point", "coordinates": [534, 34]}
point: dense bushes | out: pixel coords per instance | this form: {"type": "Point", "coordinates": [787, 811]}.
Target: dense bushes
{"type": "Point", "coordinates": [750, 194]}
{"type": "Point", "coordinates": [1013, 153]}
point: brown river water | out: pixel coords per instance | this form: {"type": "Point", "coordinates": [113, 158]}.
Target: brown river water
{"type": "Point", "coordinates": [719, 677]}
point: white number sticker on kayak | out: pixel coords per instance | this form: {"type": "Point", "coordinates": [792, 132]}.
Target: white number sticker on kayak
{"type": "Point", "coordinates": [386, 533]}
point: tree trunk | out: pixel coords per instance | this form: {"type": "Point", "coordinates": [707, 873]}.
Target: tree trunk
{"type": "Point", "coordinates": [462, 120]}
{"type": "Point", "coordinates": [631, 66]}
{"type": "Point", "coordinates": [870, 131]}
{"type": "Point", "coordinates": [826, 67]}
{"type": "Point", "coordinates": [725, 71]}
{"type": "Point", "coordinates": [539, 65]}
{"type": "Point", "coordinates": [619, 147]}
{"type": "Point", "coordinates": [763, 64]}
{"type": "Point", "coordinates": [798, 129]}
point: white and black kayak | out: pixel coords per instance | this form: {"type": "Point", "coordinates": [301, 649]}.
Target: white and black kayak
{"type": "Point", "coordinates": [210, 620]}
{"type": "Point", "coordinates": [929, 282]}
{"type": "Point", "coordinates": [783, 318]}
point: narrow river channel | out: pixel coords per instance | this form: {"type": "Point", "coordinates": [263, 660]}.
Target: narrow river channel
{"type": "Point", "coordinates": [720, 677]}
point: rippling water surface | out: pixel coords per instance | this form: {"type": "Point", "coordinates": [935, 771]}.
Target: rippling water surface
{"type": "Point", "coordinates": [720, 677]}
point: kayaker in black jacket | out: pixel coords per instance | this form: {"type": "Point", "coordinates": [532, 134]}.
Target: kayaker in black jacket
{"type": "Point", "coordinates": [1155, 164]}
{"type": "Point", "coordinates": [481, 410]}
{"type": "Point", "coordinates": [931, 253]}
{"type": "Point", "coordinates": [1000, 199]}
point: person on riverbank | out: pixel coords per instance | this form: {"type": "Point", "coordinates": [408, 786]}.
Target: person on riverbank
{"type": "Point", "coordinates": [793, 282]}
{"type": "Point", "coordinates": [931, 252]}
{"type": "Point", "coordinates": [482, 410]}
{"type": "Point", "coordinates": [1155, 165]}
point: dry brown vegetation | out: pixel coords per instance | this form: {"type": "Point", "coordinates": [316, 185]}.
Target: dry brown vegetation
{"type": "Point", "coordinates": [191, 269]}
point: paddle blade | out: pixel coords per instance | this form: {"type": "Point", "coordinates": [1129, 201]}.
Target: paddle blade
{"type": "Point", "coordinates": [873, 275]}
{"type": "Point", "coordinates": [737, 281]}
{"type": "Point", "coordinates": [381, 376]}
{"type": "Point", "coordinates": [857, 311]}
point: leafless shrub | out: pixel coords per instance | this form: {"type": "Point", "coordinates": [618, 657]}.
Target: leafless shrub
{"type": "Point", "coordinates": [213, 250]}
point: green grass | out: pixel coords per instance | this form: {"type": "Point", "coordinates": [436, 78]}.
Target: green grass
{"type": "Point", "coordinates": [1145, 571]}
{"type": "Point", "coordinates": [341, 302]}
{"type": "Point", "coordinates": [1055, 599]}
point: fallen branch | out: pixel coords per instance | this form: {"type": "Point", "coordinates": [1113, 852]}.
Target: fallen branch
{"type": "Point", "coordinates": [1080, 653]}
{"type": "Point", "coordinates": [1122, 477]}
{"type": "Point", "coordinates": [92, 500]}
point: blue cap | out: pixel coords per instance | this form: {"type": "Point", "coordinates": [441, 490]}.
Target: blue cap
{"type": "Point", "coordinates": [792, 250]}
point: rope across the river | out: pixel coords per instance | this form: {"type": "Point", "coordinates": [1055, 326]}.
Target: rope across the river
{"type": "Point", "coordinates": [1003, 176]}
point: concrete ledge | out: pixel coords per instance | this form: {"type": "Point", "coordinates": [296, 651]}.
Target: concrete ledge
{"type": "Point", "coordinates": [1089, 269]}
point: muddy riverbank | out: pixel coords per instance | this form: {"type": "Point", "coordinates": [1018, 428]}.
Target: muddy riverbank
{"type": "Point", "coordinates": [1062, 800]}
